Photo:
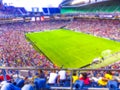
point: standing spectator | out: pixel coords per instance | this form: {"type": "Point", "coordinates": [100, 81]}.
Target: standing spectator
{"type": "Point", "coordinates": [62, 77]}
{"type": "Point", "coordinates": [52, 78]}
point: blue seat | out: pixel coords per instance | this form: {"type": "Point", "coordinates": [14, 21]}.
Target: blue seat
{"type": "Point", "coordinates": [94, 84]}
{"type": "Point", "coordinates": [27, 87]}
{"type": "Point", "coordinates": [9, 86]}
{"type": "Point", "coordinates": [19, 82]}
{"type": "Point", "coordinates": [79, 84]}
{"type": "Point", "coordinates": [112, 85]}
{"type": "Point", "coordinates": [67, 83]}
{"type": "Point", "coordinates": [40, 83]}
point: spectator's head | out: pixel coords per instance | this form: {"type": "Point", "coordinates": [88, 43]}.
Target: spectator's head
{"type": "Point", "coordinates": [83, 75]}
{"type": "Point", "coordinates": [109, 72]}
{"type": "Point", "coordinates": [74, 73]}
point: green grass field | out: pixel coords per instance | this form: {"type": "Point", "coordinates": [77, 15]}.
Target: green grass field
{"type": "Point", "coordinates": [69, 48]}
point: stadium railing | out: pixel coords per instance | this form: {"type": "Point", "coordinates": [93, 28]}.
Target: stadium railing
{"type": "Point", "coordinates": [67, 69]}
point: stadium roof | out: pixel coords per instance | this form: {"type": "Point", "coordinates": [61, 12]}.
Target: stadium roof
{"type": "Point", "coordinates": [76, 3]}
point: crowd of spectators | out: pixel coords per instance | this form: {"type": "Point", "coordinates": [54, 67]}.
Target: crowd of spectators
{"type": "Point", "coordinates": [16, 51]}
{"type": "Point", "coordinates": [57, 78]}
{"type": "Point", "coordinates": [107, 28]}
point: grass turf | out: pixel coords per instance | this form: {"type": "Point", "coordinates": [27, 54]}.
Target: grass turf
{"type": "Point", "coordinates": [71, 49]}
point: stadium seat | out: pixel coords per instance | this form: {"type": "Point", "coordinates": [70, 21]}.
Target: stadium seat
{"type": "Point", "coordinates": [112, 85]}
{"type": "Point", "coordinates": [9, 86]}
{"type": "Point", "coordinates": [19, 82]}
{"type": "Point", "coordinates": [27, 87]}
{"type": "Point", "coordinates": [79, 84]}
{"type": "Point", "coordinates": [94, 84]}
{"type": "Point", "coordinates": [67, 83]}
{"type": "Point", "coordinates": [40, 83]}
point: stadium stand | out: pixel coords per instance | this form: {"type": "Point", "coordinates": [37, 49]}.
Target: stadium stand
{"type": "Point", "coordinates": [12, 12]}
{"type": "Point", "coordinates": [110, 6]}
{"type": "Point", "coordinates": [9, 38]}
{"type": "Point", "coordinates": [16, 52]}
{"type": "Point", "coordinates": [22, 10]}
{"type": "Point", "coordinates": [13, 37]}
{"type": "Point", "coordinates": [41, 83]}
{"type": "Point", "coordinates": [98, 27]}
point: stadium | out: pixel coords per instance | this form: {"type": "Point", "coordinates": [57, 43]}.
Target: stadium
{"type": "Point", "coordinates": [75, 46]}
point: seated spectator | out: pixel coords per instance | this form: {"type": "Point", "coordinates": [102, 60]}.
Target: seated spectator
{"type": "Point", "coordinates": [96, 78]}
{"type": "Point", "coordinates": [74, 77]}
{"type": "Point", "coordinates": [103, 81]}
{"type": "Point", "coordinates": [83, 76]}
{"type": "Point", "coordinates": [116, 77]}
{"type": "Point", "coordinates": [35, 76]}
{"type": "Point", "coordinates": [39, 74]}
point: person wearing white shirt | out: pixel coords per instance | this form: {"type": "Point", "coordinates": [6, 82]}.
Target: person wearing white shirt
{"type": "Point", "coordinates": [52, 78]}
{"type": "Point", "coordinates": [61, 76]}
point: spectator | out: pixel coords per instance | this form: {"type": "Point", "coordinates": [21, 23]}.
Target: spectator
{"type": "Point", "coordinates": [74, 77]}
{"type": "Point", "coordinates": [61, 77]}
{"type": "Point", "coordinates": [83, 76]}
{"type": "Point", "coordinates": [52, 78]}
{"type": "Point", "coordinates": [103, 81]}
{"type": "Point", "coordinates": [41, 74]}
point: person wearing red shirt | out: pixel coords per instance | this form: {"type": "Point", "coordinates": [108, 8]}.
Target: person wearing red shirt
{"type": "Point", "coordinates": [86, 80]}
